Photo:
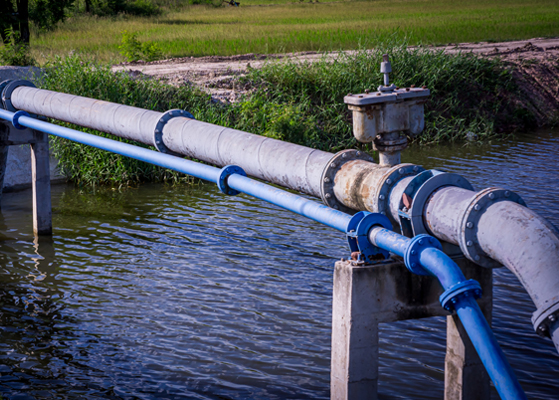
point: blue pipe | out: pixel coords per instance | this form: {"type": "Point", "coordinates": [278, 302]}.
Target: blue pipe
{"type": "Point", "coordinates": [461, 294]}
{"type": "Point", "coordinates": [430, 260]}
{"type": "Point", "coordinates": [292, 202]}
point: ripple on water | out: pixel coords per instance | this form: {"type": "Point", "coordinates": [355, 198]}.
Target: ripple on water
{"type": "Point", "coordinates": [180, 292]}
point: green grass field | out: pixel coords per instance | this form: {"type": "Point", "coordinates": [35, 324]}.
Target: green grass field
{"type": "Point", "coordinates": [260, 26]}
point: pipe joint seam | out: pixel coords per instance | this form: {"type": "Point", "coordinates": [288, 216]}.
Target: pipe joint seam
{"type": "Point", "coordinates": [16, 117]}
{"type": "Point", "coordinates": [328, 176]}
{"type": "Point", "coordinates": [422, 194]}
{"type": "Point", "coordinates": [468, 240]}
{"type": "Point", "coordinates": [224, 174]}
{"type": "Point", "coordinates": [357, 233]}
{"type": "Point", "coordinates": [158, 131]}
{"type": "Point", "coordinates": [9, 89]}
{"type": "Point", "coordinates": [413, 250]}
{"type": "Point", "coordinates": [543, 319]}
{"type": "Point", "coordinates": [389, 181]}
{"type": "Point", "coordinates": [467, 288]}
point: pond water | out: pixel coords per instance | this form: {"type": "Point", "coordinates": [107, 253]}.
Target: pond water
{"type": "Point", "coordinates": [163, 292]}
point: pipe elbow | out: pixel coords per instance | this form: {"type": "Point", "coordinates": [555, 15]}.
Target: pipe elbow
{"type": "Point", "coordinates": [528, 245]}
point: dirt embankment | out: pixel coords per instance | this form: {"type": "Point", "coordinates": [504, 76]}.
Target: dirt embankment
{"type": "Point", "coordinates": [535, 64]}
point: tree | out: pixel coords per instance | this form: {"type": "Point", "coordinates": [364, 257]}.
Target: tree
{"type": "Point", "coordinates": [15, 15]}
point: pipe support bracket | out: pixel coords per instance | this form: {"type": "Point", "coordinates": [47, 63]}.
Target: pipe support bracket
{"type": "Point", "coordinates": [158, 131]}
{"type": "Point", "coordinates": [15, 119]}
{"type": "Point", "coordinates": [224, 174]}
{"type": "Point", "coordinates": [468, 241]}
{"type": "Point", "coordinates": [327, 180]}
{"type": "Point", "coordinates": [362, 250]}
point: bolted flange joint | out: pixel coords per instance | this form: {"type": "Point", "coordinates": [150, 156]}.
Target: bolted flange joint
{"type": "Point", "coordinates": [414, 249]}
{"type": "Point", "coordinates": [16, 117]}
{"type": "Point", "coordinates": [467, 288]}
{"type": "Point", "coordinates": [543, 319]}
{"type": "Point", "coordinates": [158, 131]}
{"type": "Point", "coordinates": [8, 88]}
{"type": "Point", "coordinates": [362, 250]}
{"type": "Point", "coordinates": [468, 240]}
{"type": "Point", "coordinates": [224, 175]}
{"type": "Point", "coordinates": [328, 178]}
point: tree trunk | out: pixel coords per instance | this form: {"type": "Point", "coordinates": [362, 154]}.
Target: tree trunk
{"type": "Point", "coordinates": [87, 6]}
{"type": "Point", "coordinates": [23, 20]}
{"type": "Point", "coordinates": [6, 18]}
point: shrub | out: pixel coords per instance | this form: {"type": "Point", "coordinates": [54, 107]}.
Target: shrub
{"type": "Point", "coordinates": [15, 53]}
{"type": "Point", "coordinates": [134, 50]}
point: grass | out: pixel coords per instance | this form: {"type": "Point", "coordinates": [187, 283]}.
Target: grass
{"type": "Point", "coordinates": [281, 26]}
{"type": "Point", "coordinates": [298, 102]}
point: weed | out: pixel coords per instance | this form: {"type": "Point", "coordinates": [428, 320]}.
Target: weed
{"type": "Point", "coordinates": [134, 50]}
{"type": "Point", "coordinates": [14, 52]}
{"type": "Point", "coordinates": [299, 102]}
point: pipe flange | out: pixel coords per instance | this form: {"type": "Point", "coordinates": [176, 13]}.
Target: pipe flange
{"type": "Point", "coordinates": [390, 146]}
{"type": "Point", "coordinates": [381, 199]}
{"type": "Point", "coordinates": [465, 288]}
{"type": "Point", "coordinates": [16, 117]}
{"type": "Point", "coordinates": [468, 241]}
{"type": "Point", "coordinates": [329, 174]}
{"type": "Point", "coordinates": [409, 192]}
{"type": "Point", "coordinates": [438, 180]}
{"type": "Point", "coordinates": [158, 132]}
{"type": "Point", "coordinates": [224, 174]}
{"type": "Point", "coordinates": [9, 89]}
{"type": "Point", "coordinates": [3, 84]}
{"type": "Point", "coordinates": [357, 233]}
{"type": "Point", "coordinates": [541, 320]}
{"type": "Point", "coordinates": [415, 246]}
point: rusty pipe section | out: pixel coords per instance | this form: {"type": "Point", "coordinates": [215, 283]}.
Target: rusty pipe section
{"type": "Point", "coordinates": [360, 186]}
{"type": "Point", "coordinates": [493, 226]}
{"type": "Point", "coordinates": [286, 164]}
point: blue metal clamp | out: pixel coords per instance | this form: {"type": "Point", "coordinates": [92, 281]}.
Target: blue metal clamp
{"type": "Point", "coordinates": [15, 119]}
{"type": "Point", "coordinates": [415, 246]}
{"type": "Point", "coordinates": [224, 174]}
{"type": "Point", "coordinates": [465, 288]}
{"type": "Point", "coordinates": [357, 232]}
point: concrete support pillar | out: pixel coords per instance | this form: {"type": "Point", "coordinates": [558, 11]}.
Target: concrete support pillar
{"type": "Point", "coordinates": [3, 162]}
{"type": "Point", "coordinates": [42, 213]}
{"type": "Point", "coordinates": [365, 296]}
{"type": "Point", "coordinates": [464, 374]}
{"type": "Point", "coordinates": [354, 361]}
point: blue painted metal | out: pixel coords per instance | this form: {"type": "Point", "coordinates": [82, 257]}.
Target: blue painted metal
{"type": "Point", "coordinates": [461, 294]}
{"type": "Point", "coordinates": [469, 287]}
{"type": "Point", "coordinates": [292, 202]}
{"type": "Point", "coordinates": [433, 260]}
{"type": "Point", "coordinates": [357, 232]}
{"type": "Point", "coordinates": [413, 251]}
{"type": "Point", "coordinates": [224, 174]}
{"type": "Point", "coordinates": [15, 119]}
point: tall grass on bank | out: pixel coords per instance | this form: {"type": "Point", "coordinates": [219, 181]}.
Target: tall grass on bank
{"type": "Point", "coordinates": [205, 30]}
{"type": "Point", "coordinates": [298, 102]}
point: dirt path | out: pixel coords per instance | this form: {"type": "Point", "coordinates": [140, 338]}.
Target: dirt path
{"type": "Point", "coordinates": [217, 74]}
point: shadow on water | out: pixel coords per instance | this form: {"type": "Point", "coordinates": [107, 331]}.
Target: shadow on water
{"type": "Point", "coordinates": [179, 292]}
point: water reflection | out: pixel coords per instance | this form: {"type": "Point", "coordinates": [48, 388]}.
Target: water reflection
{"type": "Point", "coordinates": [164, 292]}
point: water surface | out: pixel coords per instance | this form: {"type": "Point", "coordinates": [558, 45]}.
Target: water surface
{"type": "Point", "coordinates": [163, 292]}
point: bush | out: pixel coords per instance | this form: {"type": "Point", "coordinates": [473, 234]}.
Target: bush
{"type": "Point", "coordinates": [468, 93]}
{"type": "Point", "coordinates": [134, 50]}
{"type": "Point", "coordinates": [298, 102]}
{"type": "Point", "coordinates": [14, 52]}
